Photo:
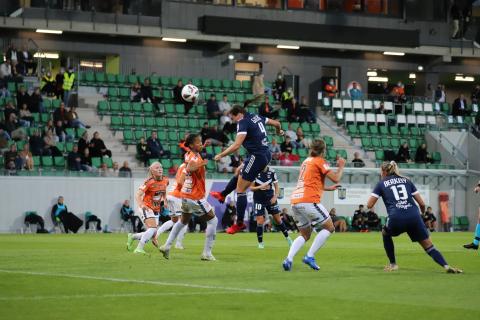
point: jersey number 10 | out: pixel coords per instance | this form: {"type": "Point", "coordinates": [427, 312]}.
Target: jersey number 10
{"type": "Point", "coordinates": [399, 192]}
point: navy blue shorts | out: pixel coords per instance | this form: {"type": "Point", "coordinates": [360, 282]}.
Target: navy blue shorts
{"type": "Point", "coordinates": [254, 164]}
{"type": "Point", "coordinates": [271, 209]}
{"type": "Point", "coordinates": [412, 224]}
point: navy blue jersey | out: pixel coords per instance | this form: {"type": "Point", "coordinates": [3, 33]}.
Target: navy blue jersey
{"type": "Point", "coordinates": [397, 194]}
{"type": "Point", "coordinates": [253, 126]}
{"type": "Point", "coordinates": [264, 196]}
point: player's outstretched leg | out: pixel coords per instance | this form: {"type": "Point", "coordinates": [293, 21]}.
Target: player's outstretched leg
{"type": "Point", "coordinates": [476, 239]}
{"type": "Point", "coordinates": [231, 185]}
{"type": "Point", "coordinates": [146, 236]}
{"type": "Point", "coordinates": [437, 256]}
{"type": "Point", "coordinates": [390, 251]}
{"type": "Point", "coordinates": [132, 237]}
{"type": "Point", "coordinates": [165, 249]}
{"type": "Point", "coordinates": [181, 235]}
{"type": "Point", "coordinates": [210, 234]}
{"type": "Point", "coordinates": [164, 227]}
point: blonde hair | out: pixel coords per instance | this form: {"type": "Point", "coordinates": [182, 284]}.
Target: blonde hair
{"type": "Point", "coordinates": [317, 148]}
{"type": "Point", "coordinates": [391, 168]}
{"type": "Point", "coordinates": [150, 175]}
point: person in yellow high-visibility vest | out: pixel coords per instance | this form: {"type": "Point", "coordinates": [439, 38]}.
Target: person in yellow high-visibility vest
{"type": "Point", "coordinates": [68, 80]}
{"type": "Point", "coordinates": [48, 84]}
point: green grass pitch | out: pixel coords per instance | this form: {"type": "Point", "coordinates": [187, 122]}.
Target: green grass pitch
{"type": "Point", "coordinates": [92, 276]}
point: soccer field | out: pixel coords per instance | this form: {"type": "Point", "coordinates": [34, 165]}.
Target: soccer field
{"type": "Point", "coordinates": [92, 276]}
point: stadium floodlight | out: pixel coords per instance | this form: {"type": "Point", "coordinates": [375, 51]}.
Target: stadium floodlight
{"type": "Point", "coordinates": [412, 76]}
{"type": "Point", "coordinates": [464, 78]}
{"type": "Point", "coordinates": [378, 79]}
{"type": "Point", "coordinates": [283, 46]}
{"type": "Point", "coordinates": [372, 73]}
{"type": "Point", "coordinates": [231, 57]}
{"type": "Point", "coordinates": [250, 58]}
{"type": "Point", "coordinates": [420, 68]}
{"type": "Point", "coordinates": [46, 55]}
{"type": "Point", "coordinates": [49, 31]}
{"type": "Point", "coordinates": [393, 53]}
{"type": "Point", "coordinates": [174, 39]}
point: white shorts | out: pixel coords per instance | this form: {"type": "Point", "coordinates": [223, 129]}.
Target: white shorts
{"type": "Point", "coordinates": [196, 207]}
{"type": "Point", "coordinates": [309, 214]}
{"type": "Point", "coordinates": [148, 213]}
{"type": "Point", "coordinates": [174, 205]}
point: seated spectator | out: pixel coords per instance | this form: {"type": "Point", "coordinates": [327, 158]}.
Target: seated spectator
{"type": "Point", "coordinates": [26, 158]}
{"type": "Point", "coordinates": [11, 158]}
{"type": "Point", "coordinates": [331, 89]}
{"type": "Point", "coordinates": [74, 160]}
{"type": "Point", "coordinates": [4, 93]}
{"type": "Point", "coordinates": [60, 214]}
{"type": "Point", "coordinates": [36, 102]}
{"type": "Point", "coordinates": [287, 145]}
{"type": "Point", "coordinates": [224, 105]}
{"type": "Point", "coordinates": [225, 164]}
{"type": "Point", "coordinates": [14, 128]}
{"type": "Point", "coordinates": [33, 218]}
{"type": "Point", "coordinates": [47, 86]}
{"type": "Point", "coordinates": [60, 114]}
{"type": "Point", "coordinates": [429, 219]}
{"type": "Point", "coordinates": [381, 109]}
{"type": "Point", "coordinates": [9, 109]}
{"type": "Point", "coordinates": [83, 143]}
{"type": "Point", "coordinates": [360, 220]}
{"type": "Point", "coordinates": [104, 170]}
{"type": "Point", "coordinates": [87, 160]}
{"type": "Point", "coordinates": [422, 155]}
{"type": "Point", "coordinates": [50, 144]}
{"type": "Point", "coordinates": [403, 154]}
{"type": "Point", "coordinates": [6, 73]}
{"type": "Point", "coordinates": [26, 115]}
{"type": "Point", "coordinates": [357, 161]}
{"type": "Point", "coordinates": [156, 148]}
{"type": "Point", "coordinates": [146, 91]}
{"type": "Point", "coordinates": [288, 159]}
{"type": "Point", "coordinates": [125, 170]}
{"type": "Point", "coordinates": [355, 93]}
{"type": "Point", "coordinates": [293, 111]}
{"type": "Point", "coordinates": [305, 113]}
{"type": "Point", "coordinates": [267, 110]}
{"type": "Point", "coordinates": [275, 149]}
{"type": "Point", "coordinates": [22, 96]}
{"type": "Point", "coordinates": [97, 147]}
{"type": "Point", "coordinates": [26, 62]}
{"type": "Point", "coordinates": [4, 137]}
{"type": "Point", "coordinates": [213, 111]}
{"type": "Point", "coordinates": [115, 169]}
{"type": "Point", "coordinates": [373, 221]}
{"type": "Point", "coordinates": [60, 132]}
{"type": "Point", "coordinates": [36, 143]}
{"type": "Point", "coordinates": [290, 133]}
{"type": "Point", "coordinates": [288, 220]}
{"type": "Point", "coordinates": [136, 93]}
{"type": "Point", "coordinates": [340, 224]}
{"type": "Point", "coordinates": [459, 107]}
{"type": "Point", "coordinates": [89, 217]}
{"type": "Point", "coordinates": [73, 120]}
{"type": "Point", "coordinates": [229, 214]}
{"type": "Point", "coordinates": [49, 126]}
{"type": "Point", "coordinates": [177, 93]}
{"type": "Point", "coordinates": [301, 141]}
{"type": "Point", "coordinates": [127, 214]}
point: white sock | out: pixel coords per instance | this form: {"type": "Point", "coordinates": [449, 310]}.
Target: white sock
{"type": "Point", "coordinates": [147, 235]}
{"type": "Point", "coordinates": [210, 236]}
{"type": "Point", "coordinates": [164, 227]}
{"type": "Point", "coordinates": [296, 246]}
{"type": "Point", "coordinates": [180, 236]}
{"type": "Point", "coordinates": [318, 242]}
{"type": "Point", "coordinates": [137, 236]}
{"type": "Point", "coordinates": [177, 227]}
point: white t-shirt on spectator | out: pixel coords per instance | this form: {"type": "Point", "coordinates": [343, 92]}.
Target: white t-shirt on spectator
{"type": "Point", "coordinates": [224, 106]}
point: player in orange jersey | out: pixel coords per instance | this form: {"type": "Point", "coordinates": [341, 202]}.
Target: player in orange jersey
{"type": "Point", "coordinates": [308, 212]}
{"type": "Point", "coordinates": [174, 205]}
{"type": "Point", "coordinates": [150, 199]}
{"type": "Point", "coordinates": [193, 198]}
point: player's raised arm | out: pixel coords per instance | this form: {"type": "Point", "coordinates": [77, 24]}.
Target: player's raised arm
{"type": "Point", "coordinates": [276, 124]}
{"type": "Point", "coordinates": [195, 165]}
{"type": "Point", "coordinates": [335, 177]}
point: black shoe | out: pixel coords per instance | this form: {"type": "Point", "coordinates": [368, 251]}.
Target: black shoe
{"type": "Point", "coordinates": [471, 246]}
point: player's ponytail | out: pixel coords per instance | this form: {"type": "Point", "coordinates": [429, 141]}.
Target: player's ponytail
{"type": "Point", "coordinates": [391, 168]}
{"type": "Point", "coordinates": [317, 148]}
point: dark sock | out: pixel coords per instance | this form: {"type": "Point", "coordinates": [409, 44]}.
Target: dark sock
{"type": "Point", "coordinates": [283, 229]}
{"type": "Point", "coordinates": [260, 233]}
{"type": "Point", "coordinates": [231, 186]}
{"type": "Point", "coordinates": [241, 207]}
{"type": "Point", "coordinates": [436, 256]}
{"type": "Point", "coordinates": [389, 248]}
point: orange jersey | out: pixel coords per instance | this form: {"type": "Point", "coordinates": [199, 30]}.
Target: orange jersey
{"type": "Point", "coordinates": [177, 188]}
{"type": "Point", "coordinates": [194, 185]}
{"type": "Point", "coordinates": [155, 193]}
{"type": "Point", "coordinates": [311, 181]}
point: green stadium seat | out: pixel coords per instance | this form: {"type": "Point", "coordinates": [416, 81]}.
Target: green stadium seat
{"type": "Point", "coordinates": [379, 155]}
{"type": "Point", "coordinates": [148, 107]}
{"type": "Point", "coordinates": [394, 131]}
{"type": "Point", "coordinates": [47, 161]}
{"type": "Point", "coordinates": [180, 109]}
{"type": "Point", "coordinates": [56, 103]}
{"type": "Point", "coordinates": [160, 122]}
{"type": "Point", "coordinates": [111, 79]}
{"type": "Point", "coordinates": [385, 142]}
{"type": "Point", "coordinates": [126, 107]}
{"type": "Point", "coordinates": [328, 141]}
{"type": "Point", "coordinates": [216, 84]}
{"type": "Point", "coordinates": [138, 122]}
{"type": "Point", "coordinates": [137, 108]}
{"type": "Point", "coordinates": [115, 107]}
{"type": "Point", "coordinates": [100, 78]}
{"type": "Point", "coordinates": [246, 85]}
{"type": "Point", "coordinates": [373, 130]}
{"type": "Point", "coordinates": [342, 153]}
{"type": "Point", "coordinates": [170, 109]}
{"type": "Point", "coordinates": [182, 123]}
{"type": "Point", "coordinates": [115, 123]}
{"type": "Point", "coordinates": [47, 104]}
{"type": "Point", "coordinates": [36, 161]}
{"type": "Point", "coordinates": [352, 130]}
{"type": "Point", "coordinates": [162, 135]}
{"type": "Point", "coordinates": [436, 157]}
{"type": "Point", "coordinates": [445, 108]}
{"type": "Point", "coordinates": [121, 79]}
{"type": "Point", "coordinates": [193, 123]}
{"type": "Point", "coordinates": [405, 131]}
{"type": "Point", "coordinates": [108, 162]}
{"type": "Point", "coordinates": [366, 143]}
{"type": "Point", "coordinates": [363, 130]}
{"type": "Point", "coordinates": [112, 92]}
{"type": "Point", "coordinates": [59, 162]}
{"type": "Point", "coordinates": [68, 146]}
{"type": "Point", "coordinates": [127, 122]}
{"type": "Point", "coordinates": [171, 122]}
{"type": "Point", "coordinates": [90, 78]}
{"type": "Point", "coordinates": [124, 93]}
{"type": "Point", "coordinates": [132, 78]}
{"type": "Point", "coordinates": [383, 130]}
{"type": "Point", "coordinates": [96, 162]}
{"type": "Point", "coordinates": [376, 143]}
{"type": "Point", "coordinates": [413, 143]}
{"type": "Point", "coordinates": [415, 131]}
{"type": "Point", "coordinates": [102, 107]}
{"type": "Point", "coordinates": [395, 143]}
{"type": "Point", "coordinates": [227, 84]}
{"type": "Point", "coordinates": [236, 85]}
{"type": "Point", "coordinates": [206, 83]}
{"type": "Point", "coordinates": [173, 136]}
{"type": "Point", "coordinates": [149, 122]}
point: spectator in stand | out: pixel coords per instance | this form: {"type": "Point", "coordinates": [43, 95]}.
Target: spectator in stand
{"type": "Point", "coordinates": [22, 97]}
{"type": "Point", "coordinates": [301, 142]}
{"type": "Point", "coordinates": [275, 149]}
{"type": "Point", "coordinates": [403, 154]}
{"type": "Point", "coordinates": [177, 92]}
{"type": "Point", "coordinates": [26, 61]}
{"type": "Point", "coordinates": [104, 170]}
{"type": "Point", "coordinates": [49, 126]}
{"type": "Point", "coordinates": [136, 92]}
{"type": "Point", "coordinates": [115, 169]}
{"type": "Point", "coordinates": [439, 94]}
{"type": "Point", "coordinates": [340, 224]}
{"type": "Point", "coordinates": [143, 153]}
{"type": "Point", "coordinates": [213, 111]}
{"type": "Point", "coordinates": [14, 128]}
{"type": "Point", "coordinates": [6, 74]}
{"type": "Point", "coordinates": [287, 145]}
{"type": "Point", "coordinates": [224, 105]}
{"type": "Point", "coordinates": [287, 98]}
{"type": "Point", "coordinates": [355, 92]}
{"type": "Point", "coordinates": [360, 219]}
{"type": "Point", "coordinates": [156, 148]}
{"type": "Point", "coordinates": [83, 143]}
{"type": "Point", "coordinates": [290, 133]}
{"type": "Point", "coordinates": [459, 107]}
{"type": "Point", "coordinates": [26, 115]}
{"type": "Point", "coordinates": [422, 155]}
{"type": "Point", "coordinates": [125, 171]}
{"type": "Point", "coordinates": [229, 215]}
{"type": "Point", "coordinates": [59, 84]}
{"type": "Point", "coordinates": [280, 86]}
{"type": "Point", "coordinates": [476, 95]}
{"type": "Point", "coordinates": [398, 93]}
{"type": "Point", "coordinates": [146, 92]}
{"type": "Point", "coordinates": [267, 110]}
{"type": "Point", "coordinates": [373, 221]}
{"type": "Point", "coordinates": [331, 89]}
{"type": "Point", "coordinates": [60, 114]}
{"type": "Point", "coordinates": [128, 214]}
{"type": "Point", "coordinates": [12, 55]}
{"type": "Point", "coordinates": [36, 102]}
{"type": "Point", "coordinates": [73, 120]}
{"type": "Point", "coordinates": [429, 219]}
{"type": "Point", "coordinates": [381, 109]}
{"type": "Point", "coordinates": [305, 113]}
{"type": "Point", "coordinates": [26, 157]}
{"type": "Point", "coordinates": [357, 161]}
{"type": "Point", "coordinates": [68, 84]}
{"type": "Point", "coordinates": [8, 109]}
{"type": "Point", "coordinates": [293, 111]}
{"type": "Point", "coordinates": [87, 160]}
{"type": "Point", "coordinates": [288, 159]}
{"type": "Point", "coordinates": [47, 86]}
{"type": "Point", "coordinates": [36, 143]}
{"type": "Point", "coordinates": [11, 158]}
{"type": "Point", "coordinates": [97, 147]}
{"type": "Point", "coordinates": [4, 93]}
{"type": "Point", "coordinates": [74, 160]}
{"type": "Point", "coordinates": [50, 144]}
{"type": "Point", "coordinates": [61, 133]}
{"type": "Point", "coordinates": [225, 164]}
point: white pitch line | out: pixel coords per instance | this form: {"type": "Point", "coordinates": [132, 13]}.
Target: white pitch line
{"type": "Point", "coordinates": [113, 295]}
{"type": "Point", "coordinates": [158, 283]}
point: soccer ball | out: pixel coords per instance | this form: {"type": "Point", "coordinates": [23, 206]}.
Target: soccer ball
{"type": "Point", "coordinates": [190, 93]}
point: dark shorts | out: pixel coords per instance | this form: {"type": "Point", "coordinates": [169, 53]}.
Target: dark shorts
{"type": "Point", "coordinates": [412, 224]}
{"type": "Point", "coordinates": [271, 209]}
{"type": "Point", "coordinates": [254, 164]}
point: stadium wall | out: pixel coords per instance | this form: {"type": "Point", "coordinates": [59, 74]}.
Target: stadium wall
{"type": "Point", "coordinates": [104, 196]}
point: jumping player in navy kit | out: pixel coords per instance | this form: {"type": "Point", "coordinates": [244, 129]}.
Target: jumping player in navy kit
{"type": "Point", "coordinates": [265, 193]}
{"type": "Point", "coordinates": [399, 195]}
{"type": "Point", "coordinates": [252, 134]}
